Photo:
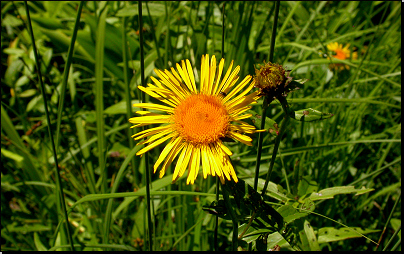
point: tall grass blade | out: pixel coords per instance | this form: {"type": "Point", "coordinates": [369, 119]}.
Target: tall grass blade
{"type": "Point", "coordinates": [99, 100]}
{"type": "Point", "coordinates": [66, 73]}
{"type": "Point", "coordinates": [59, 183]}
{"type": "Point", "coordinates": [146, 171]}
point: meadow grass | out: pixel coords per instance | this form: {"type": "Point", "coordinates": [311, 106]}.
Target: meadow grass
{"type": "Point", "coordinates": [330, 180]}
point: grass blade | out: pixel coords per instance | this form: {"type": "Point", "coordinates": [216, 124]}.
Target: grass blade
{"type": "Point", "coordinates": [59, 183]}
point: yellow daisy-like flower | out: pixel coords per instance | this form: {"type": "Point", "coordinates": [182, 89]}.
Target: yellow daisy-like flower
{"type": "Point", "coordinates": [341, 53]}
{"type": "Point", "coordinates": [196, 121]}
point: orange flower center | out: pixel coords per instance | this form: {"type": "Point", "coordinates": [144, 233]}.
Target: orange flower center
{"type": "Point", "coordinates": [340, 54]}
{"type": "Point", "coordinates": [201, 119]}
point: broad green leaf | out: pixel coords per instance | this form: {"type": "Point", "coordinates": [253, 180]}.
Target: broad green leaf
{"type": "Point", "coordinates": [119, 108]}
{"type": "Point", "coordinates": [48, 23]}
{"type": "Point", "coordinates": [26, 228]}
{"type": "Point", "coordinates": [331, 192]}
{"type": "Point", "coordinates": [38, 244]}
{"type": "Point", "coordinates": [331, 234]}
{"type": "Point", "coordinates": [310, 115]}
{"type": "Point", "coordinates": [289, 213]}
{"type": "Point", "coordinates": [311, 236]}
{"type": "Point", "coordinates": [270, 124]}
{"type": "Point", "coordinates": [272, 189]}
{"type": "Point", "coordinates": [11, 155]}
{"type": "Point", "coordinates": [28, 93]}
{"type": "Point", "coordinates": [156, 9]}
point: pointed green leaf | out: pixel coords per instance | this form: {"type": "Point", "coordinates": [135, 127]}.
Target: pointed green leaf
{"type": "Point", "coordinates": [310, 115]}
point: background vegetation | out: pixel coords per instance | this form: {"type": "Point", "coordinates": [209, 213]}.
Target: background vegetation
{"type": "Point", "coordinates": [359, 146]}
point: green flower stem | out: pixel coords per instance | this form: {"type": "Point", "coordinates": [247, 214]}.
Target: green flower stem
{"type": "Point", "coordinates": [266, 102]}
{"type": "Point", "coordinates": [273, 36]}
{"type": "Point", "coordinates": [233, 218]}
{"type": "Point", "coordinates": [58, 181]}
{"type": "Point", "coordinates": [260, 139]}
{"type": "Point", "coordinates": [283, 127]}
{"type": "Point", "coordinates": [146, 172]}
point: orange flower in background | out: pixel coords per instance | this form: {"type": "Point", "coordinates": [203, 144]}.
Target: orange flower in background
{"type": "Point", "coordinates": [341, 53]}
{"type": "Point", "coordinates": [196, 121]}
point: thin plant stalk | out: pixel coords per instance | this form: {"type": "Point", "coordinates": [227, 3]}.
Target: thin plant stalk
{"type": "Point", "coordinates": [387, 223]}
{"type": "Point", "coordinates": [216, 245]}
{"type": "Point", "coordinates": [146, 172]}
{"type": "Point", "coordinates": [66, 72]}
{"type": "Point", "coordinates": [58, 181]}
{"type": "Point", "coordinates": [233, 218]}
{"type": "Point", "coordinates": [159, 59]}
{"type": "Point", "coordinates": [127, 90]}
{"type": "Point", "coordinates": [266, 102]}
{"type": "Point", "coordinates": [283, 128]}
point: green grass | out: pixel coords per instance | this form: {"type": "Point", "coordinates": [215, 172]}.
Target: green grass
{"type": "Point", "coordinates": [335, 184]}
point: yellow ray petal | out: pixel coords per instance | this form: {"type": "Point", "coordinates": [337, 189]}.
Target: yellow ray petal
{"type": "Point", "coordinates": [151, 131]}
{"type": "Point", "coordinates": [240, 137]}
{"type": "Point", "coordinates": [194, 165]}
{"type": "Point", "coordinates": [219, 74]}
{"type": "Point", "coordinates": [182, 162]}
{"type": "Point", "coordinates": [212, 72]}
{"type": "Point", "coordinates": [191, 76]}
{"type": "Point", "coordinates": [237, 88]}
{"type": "Point", "coordinates": [154, 106]}
{"type": "Point", "coordinates": [226, 76]}
{"type": "Point", "coordinates": [153, 145]}
{"type": "Point", "coordinates": [150, 119]}
{"type": "Point", "coordinates": [224, 148]}
{"type": "Point", "coordinates": [205, 162]}
{"type": "Point", "coordinates": [230, 81]}
{"type": "Point", "coordinates": [169, 148]}
{"type": "Point", "coordinates": [171, 157]}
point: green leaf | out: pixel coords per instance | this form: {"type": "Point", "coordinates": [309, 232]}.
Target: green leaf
{"type": "Point", "coordinates": [311, 236]}
{"type": "Point", "coordinates": [156, 9]}
{"type": "Point", "coordinates": [11, 155]}
{"type": "Point", "coordinates": [28, 92]}
{"type": "Point", "coordinates": [270, 124]}
{"type": "Point", "coordinates": [289, 213]}
{"type": "Point", "coordinates": [310, 115]}
{"type": "Point", "coordinates": [38, 244]}
{"type": "Point", "coordinates": [27, 228]}
{"type": "Point", "coordinates": [119, 108]}
{"type": "Point", "coordinates": [331, 192]}
{"type": "Point", "coordinates": [331, 234]}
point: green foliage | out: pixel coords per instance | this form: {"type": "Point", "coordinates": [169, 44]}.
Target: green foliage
{"type": "Point", "coordinates": [335, 180]}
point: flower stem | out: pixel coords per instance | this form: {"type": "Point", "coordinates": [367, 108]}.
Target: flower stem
{"type": "Point", "coordinates": [266, 102]}
{"type": "Point", "coordinates": [283, 127]}
{"type": "Point", "coordinates": [147, 173]}
{"type": "Point", "coordinates": [233, 218]}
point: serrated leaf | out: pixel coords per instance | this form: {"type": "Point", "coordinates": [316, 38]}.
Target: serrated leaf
{"type": "Point", "coordinates": [331, 234]}
{"type": "Point", "coordinates": [310, 115]}
{"type": "Point", "coordinates": [331, 192]}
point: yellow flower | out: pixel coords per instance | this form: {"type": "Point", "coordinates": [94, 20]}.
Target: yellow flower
{"type": "Point", "coordinates": [196, 121]}
{"type": "Point", "coordinates": [341, 53]}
